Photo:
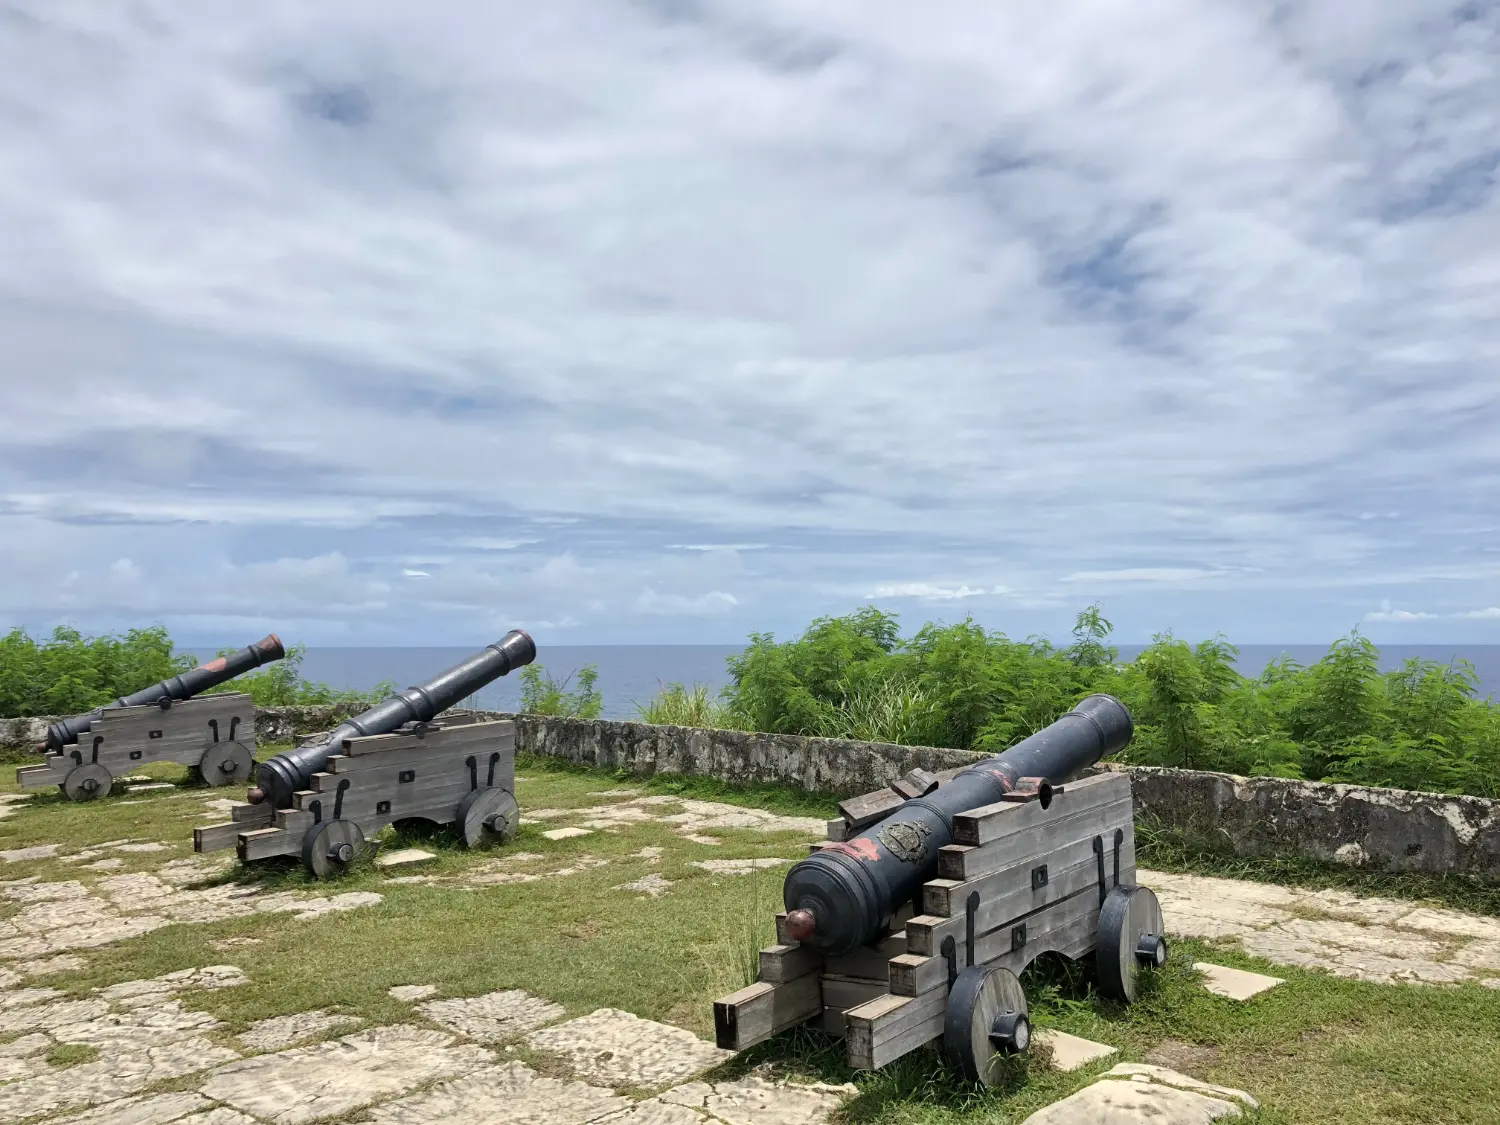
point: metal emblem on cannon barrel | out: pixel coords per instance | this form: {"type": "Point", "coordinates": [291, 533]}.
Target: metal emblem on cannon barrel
{"type": "Point", "coordinates": [397, 761]}
{"type": "Point", "coordinates": [214, 734]}
{"type": "Point", "coordinates": [917, 917]}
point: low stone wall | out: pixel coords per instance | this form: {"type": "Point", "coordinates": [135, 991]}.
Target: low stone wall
{"type": "Point", "coordinates": [1383, 829]}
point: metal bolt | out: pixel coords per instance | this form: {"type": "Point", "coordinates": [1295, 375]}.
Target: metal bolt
{"type": "Point", "coordinates": [89, 785]}
{"type": "Point", "coordinates": [341, 853]}
{"type": "Point", "coordinates": [226, 766]}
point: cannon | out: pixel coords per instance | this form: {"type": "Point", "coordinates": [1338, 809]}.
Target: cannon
{"type": "Point", "coordinates": [401, 760]}
{"type": "Point", "coordinates": [915, 919]}
{"type": "Point", "coordinates": [213, 734]}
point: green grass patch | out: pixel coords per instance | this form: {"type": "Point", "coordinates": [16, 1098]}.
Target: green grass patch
{"type": "Point", "coordinates": [70, 1054]}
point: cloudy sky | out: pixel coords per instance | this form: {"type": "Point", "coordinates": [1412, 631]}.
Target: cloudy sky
{"type": "Point", "coordinates": [374, 322]}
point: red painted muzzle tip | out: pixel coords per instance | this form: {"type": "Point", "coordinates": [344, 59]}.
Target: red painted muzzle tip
{"type": "Point", "coordinates": [255, 796]}
{"type": "Point", "coordinates": [800, 925]}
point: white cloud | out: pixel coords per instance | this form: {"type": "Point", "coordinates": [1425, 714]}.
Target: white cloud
{"type": "Point", "coordinates": [1399, 615]}
{"type": "Point", "coordinates": [1488, 613]}
{"type": "Point", "coordinates": [1168, 574]}
{"type": "Point", "coordinates": [713, 602]}
{"type": "Point", "coordinates": [408, 573]}
{"type": "Point", "coordinates": [846, 291]}
{"type": "Point", "coordinates": [929, 591]}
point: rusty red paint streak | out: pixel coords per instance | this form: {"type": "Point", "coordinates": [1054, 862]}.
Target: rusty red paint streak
{"type": "Point", "coordinates": [212, 666]}
{"type": "Point", "coordinates": [861, 847]}
{"type": "Point", "coordinates": [272, 643]}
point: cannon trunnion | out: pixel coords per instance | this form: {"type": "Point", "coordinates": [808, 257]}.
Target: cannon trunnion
{"type": "Point", "coordinates": [212, 734]}
{"type": "Point", "coordinates": [1048, 867]}
{"type": "Point", "coordinates": [456, 770]}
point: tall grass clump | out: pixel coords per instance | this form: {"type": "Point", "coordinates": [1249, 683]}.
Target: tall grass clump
{"type": "Point", "coordinates": [676, 705]}
{"type": "Point", "coordinates": [1422, 726]}
{"type": "Point", "coordinates": [541, 694]}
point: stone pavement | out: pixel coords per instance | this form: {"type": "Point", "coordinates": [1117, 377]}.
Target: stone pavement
{"type": "Point", "coordinates": [396, 1075]}
{"type": "Point", "coordinates": [1382, 940]}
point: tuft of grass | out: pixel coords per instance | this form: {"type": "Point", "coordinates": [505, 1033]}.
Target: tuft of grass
{"type": "Point", "coordinates": [676, 705]}
{"type": "Point", "coordinates": [70, 1054]}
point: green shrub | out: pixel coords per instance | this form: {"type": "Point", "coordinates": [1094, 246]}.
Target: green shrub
{"type": "Point", "coordinates": [70, 673]}
{"type": "Point", "coordinates": [958, 685]}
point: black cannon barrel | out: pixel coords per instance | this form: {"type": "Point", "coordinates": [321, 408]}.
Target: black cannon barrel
{"type": "Point", "coordinates": [279, 777]}
{"type": "Point", "coordinates": [838, 897]}
{"type": "Point", "coordinates": [185, 686]}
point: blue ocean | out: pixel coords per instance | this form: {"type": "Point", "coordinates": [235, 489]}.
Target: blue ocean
{"type": "Point", "coordinates": [630, 675]}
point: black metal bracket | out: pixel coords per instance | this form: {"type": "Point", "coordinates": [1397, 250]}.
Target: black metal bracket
{"type": "Point", "coordinates": [1119, 842]}
{"type": "Point", "coordinates": [1017, 937]}
{"type": "Point", "coordinates": [406, 776]}
{"type": "Point", "coordinates": [971, 908]}
{"type": "Point", "coordinates": [99, 741]}
{"type": "Point", "coordinates": [316, 808]}
{"type": "Point", "coordinates": [234, 726]}
{"type": "Point", "coordinates": [338, 800]}
{"type": "Point", "coordinates": [1099, 855]}
{"type": "Point", "coordinates": [382, 807]}
{"type": "Point", "coordinates": [473, 764]}
{"type": "Point", "coordinates": [213, 725]}
{"type": "Point", "coordinates": [494, 761]}
{"type": "Point", "coordinates": [1039, 877]}
{"type": "Point", "coordinates": [950, 951]}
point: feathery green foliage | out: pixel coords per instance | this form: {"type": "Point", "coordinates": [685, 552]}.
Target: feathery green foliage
{"type": "Point", "coordinates": [960, 685]}
{"type": "Point", "coordinates": [543, 695]}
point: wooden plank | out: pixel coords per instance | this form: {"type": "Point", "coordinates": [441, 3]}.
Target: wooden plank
{"type": "Point", "coordinates": [467, 734]}
{"type": "Point", "coordinates": [1003, 818]}
{"type": "Point", "coordinates": [917, 783]}
{"type": "Point", "coordinates": [832, 1022]}
{"type": "Point", "coordinates": [780, 963]}
{"type": "Point", "coordinates": [262, 843]}
{"type": "Point", "coordinates": [756, 1013]}
{"type": "Point", "coordinates": [253, 814]}
{"type": "Point", "coordinates": [911, 974]}
{"type": "Point", "coordinates": [869, 961]}
{"type": "Point", "coordinates": [838, 830]}
{"type": "Point", "coordinates": [293, 821]}
{"type": "Point", "coordinates": [887, 1027]}
{"type": "Point", "coordinates": [449, 768]}
{"type": "Point", "coordinates": [925, 934]}
{"type": "Point", "coordinates": [782, 937]}
{"type": "Point", "coordinates": [867, 808]}
{"type": "Point", "coordinates": [216, 837]}
{"type": "Point", "coordinates": [965, 861]}
{"type": "Point", "coordinates": [849, 992]}
{"type": "Point", "coordinates": [416, 757]}
{"type": "Point", "coordinates": [1009, 894]}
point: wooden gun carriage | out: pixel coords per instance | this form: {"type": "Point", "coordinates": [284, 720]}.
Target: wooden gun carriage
{"type": "Point", "coordinates": [1046, 869]}
{"type": "Point", "coordinates": [455, 770]}
{"type": "Point", "coordinates": [212, 734]}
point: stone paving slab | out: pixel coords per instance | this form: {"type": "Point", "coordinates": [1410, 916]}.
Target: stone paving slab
{"type": "Point", "coordinates": [496, 1015]}
{"type": "Point", "coordinates": [513, 1093]}
{"type": "Point", "coordinates": [107, 1078]}
{"type": "Point", "coordinates": [1234, 984]}
{"type": "Point", "coordinates": [284, 1031]}
{"type": "Point", "coordinates": [753, 1100]}
{"type": "Point", "coordinates": [404, 857]}
{"type": "Point", "coordinates": [159, 1109]}
{"type": "Point", "coordinates": [342, 1075]}
{"type": "Point", "coordinates": [407, 993]}
{"type": "Point", "coordinates": [615, 1048]}
{"type": "Point", "coordinates": [1069, 1052]}
{"type": "Point", "coordinates": [1140, 1094]}
{"type": "Point", "coordinates": [1386, 941]}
